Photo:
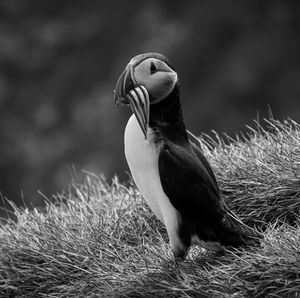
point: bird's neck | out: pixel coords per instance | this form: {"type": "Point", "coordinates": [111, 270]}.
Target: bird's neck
{"type": "Point", "coordinates": [166, 117]}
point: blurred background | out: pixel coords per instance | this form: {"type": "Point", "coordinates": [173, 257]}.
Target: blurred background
{"type": "Point", "coordinates": [59, 62]}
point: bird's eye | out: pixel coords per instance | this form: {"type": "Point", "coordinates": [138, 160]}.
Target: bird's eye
{"type": "Point", "coordinates": [153, 68]}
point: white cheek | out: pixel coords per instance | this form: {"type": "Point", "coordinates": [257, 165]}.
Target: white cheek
{"type": "Point", "coordinates": [161, 84]}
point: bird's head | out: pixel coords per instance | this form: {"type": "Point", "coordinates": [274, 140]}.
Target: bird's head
{"type": "Point", "coordinates": [147, 79]}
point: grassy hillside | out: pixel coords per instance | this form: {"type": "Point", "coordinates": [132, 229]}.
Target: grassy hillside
{"type": "Point", "coordinates": [101, 240]}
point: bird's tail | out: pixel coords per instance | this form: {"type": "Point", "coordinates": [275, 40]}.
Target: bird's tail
{"type": "Point", "coordinates": [235, 233]}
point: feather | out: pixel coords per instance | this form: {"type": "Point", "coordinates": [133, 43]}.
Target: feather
{"type": "Point", "coordinates": [191, 186]}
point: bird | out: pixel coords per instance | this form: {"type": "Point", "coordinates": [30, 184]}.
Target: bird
{"type": "Point", "coordinates": [168, 166]}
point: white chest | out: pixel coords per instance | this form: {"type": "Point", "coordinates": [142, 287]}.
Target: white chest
{"type": "Point", "coordinates": [140, 153]}
{"type": "Point", "coordinates": [142, 157]}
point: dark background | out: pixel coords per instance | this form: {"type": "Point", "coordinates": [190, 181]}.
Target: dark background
{"type": "Point", "coordinates": [59, 62]}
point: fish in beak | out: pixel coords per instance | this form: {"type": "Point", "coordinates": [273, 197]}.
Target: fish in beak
{"type": "Point", "coordinates": [128, 92]}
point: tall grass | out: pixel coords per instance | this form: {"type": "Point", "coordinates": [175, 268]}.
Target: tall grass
{"type": "Point", "coordinates": [259, 173]}
{"type": "Point", "coordinates": [102, 240]}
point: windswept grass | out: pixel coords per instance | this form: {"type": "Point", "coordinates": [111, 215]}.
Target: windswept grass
{"type": "Point", "coordinates": [101, 240]}
{"type": "Point", "coordinates": [259, 173]}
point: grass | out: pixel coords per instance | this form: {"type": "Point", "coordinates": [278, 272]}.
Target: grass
{"type": "Point", "coordinates": [101, 240]}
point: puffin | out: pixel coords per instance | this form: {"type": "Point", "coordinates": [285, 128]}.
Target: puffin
{"type": "Point", "coordinates": [168, 166]}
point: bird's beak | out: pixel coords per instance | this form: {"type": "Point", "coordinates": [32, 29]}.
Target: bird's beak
{"type": "Point", "coordinates": [124, 84]}
{"type": "Point", "coordinates": [137, 96]}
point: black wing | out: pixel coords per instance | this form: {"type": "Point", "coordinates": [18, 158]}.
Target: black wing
{"type": "Point", "coordinates": [230, 220]}
{"type": "Point", "coordinates": [204, 162]}
{"type": "Point", "coordinates": [188, 181]}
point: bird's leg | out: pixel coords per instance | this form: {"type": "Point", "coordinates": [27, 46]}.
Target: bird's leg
{"type": "Point", "coordinates": [179, 254]}
{"type": "Point", "coordinates": [178, 248]}
{"type": "Point", "coordinates": [172, 222]}
{"type": "Point", "coordinates": [216, 247]}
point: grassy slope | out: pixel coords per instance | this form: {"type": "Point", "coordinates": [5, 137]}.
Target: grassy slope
{"type": "Point", "coordinates": [100, 239]}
